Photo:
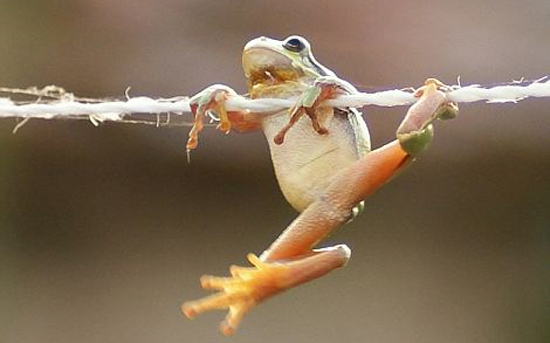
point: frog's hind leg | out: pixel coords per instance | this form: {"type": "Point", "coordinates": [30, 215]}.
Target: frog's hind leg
{"type": "Point", "coordinates": [291, 260]}
{"type": "Point", "coordinates": [335, 207]}
{"type": "Point", "coordinates": [249, 286]}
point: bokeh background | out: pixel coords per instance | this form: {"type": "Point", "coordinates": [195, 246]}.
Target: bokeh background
{"type": "Point", "coordinates": [105, 231]}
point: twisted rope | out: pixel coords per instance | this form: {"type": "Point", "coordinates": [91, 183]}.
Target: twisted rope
{"type": "Point", "coordinates": [60, 104]}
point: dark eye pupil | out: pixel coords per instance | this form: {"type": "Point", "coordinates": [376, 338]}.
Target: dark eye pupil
{"type": "Point", "coordinates": [294, 44]}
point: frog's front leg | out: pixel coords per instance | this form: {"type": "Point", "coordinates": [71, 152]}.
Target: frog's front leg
{"type": "Point", "coordinates": [291, 259]}
{"type": "Point", "coordinates": [324, 88]}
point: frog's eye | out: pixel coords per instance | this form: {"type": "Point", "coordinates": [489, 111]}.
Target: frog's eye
{"type": "Point", "coordinates": [294, 44]}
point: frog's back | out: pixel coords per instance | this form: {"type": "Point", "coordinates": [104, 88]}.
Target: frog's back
{"type": "Point", "coordinates": [306, 162]}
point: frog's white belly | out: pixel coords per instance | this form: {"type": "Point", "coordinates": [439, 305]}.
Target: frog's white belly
{"type": "Point", "coordinates": [306, 162]}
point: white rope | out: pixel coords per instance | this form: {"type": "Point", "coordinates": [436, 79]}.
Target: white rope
{"type": "Point", "coordinates": [65, 106]}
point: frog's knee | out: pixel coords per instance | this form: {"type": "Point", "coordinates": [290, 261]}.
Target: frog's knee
{"type": "Point", "coordinates": [415, 142]}
{"type": "Point", "coordinates": [356, 211]}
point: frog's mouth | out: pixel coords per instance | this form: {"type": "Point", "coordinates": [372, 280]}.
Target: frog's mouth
{"type": "Point", "coordinates": [265, 65]}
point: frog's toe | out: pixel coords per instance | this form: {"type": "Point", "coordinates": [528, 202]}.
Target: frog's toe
{"type": "Point", "coordinates": [192, 309]}
{"type": "Point", "coordinates": [234, 317]}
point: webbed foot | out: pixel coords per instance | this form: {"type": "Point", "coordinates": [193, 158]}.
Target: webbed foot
{"type": "Point", "coordinates": [247, 287]}
{"type": "Point", "coordinates": [239, 293]}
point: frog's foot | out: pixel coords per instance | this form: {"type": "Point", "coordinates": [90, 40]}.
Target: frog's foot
{"type": "Point", "coordinates": [247, 287]}
{"type": "Point", "coordinates": [211, 99]}
{"type": "Point", "coordinates": [239, 293]}
{"type": "Point", "coordinates": [324, 88]}
{"type": "Point", "coordinates": [416, 130]}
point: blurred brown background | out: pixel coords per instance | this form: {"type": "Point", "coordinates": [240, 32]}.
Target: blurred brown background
{"type": "Point", "coordinates": [105, 231]}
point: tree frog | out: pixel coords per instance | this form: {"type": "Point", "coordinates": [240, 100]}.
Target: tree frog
{"type": "Point", "coordinates": [322, 159]}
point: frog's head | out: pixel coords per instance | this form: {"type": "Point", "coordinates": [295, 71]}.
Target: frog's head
{"type": "Point", "coordinates": [269, 62]}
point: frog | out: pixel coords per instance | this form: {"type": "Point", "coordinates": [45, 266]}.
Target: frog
{"type": "Point", "coordinates": [322, 159]}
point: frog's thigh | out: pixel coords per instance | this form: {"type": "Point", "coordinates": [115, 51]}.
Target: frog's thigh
{"type": "Point", "coordinates": [369, 173]}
